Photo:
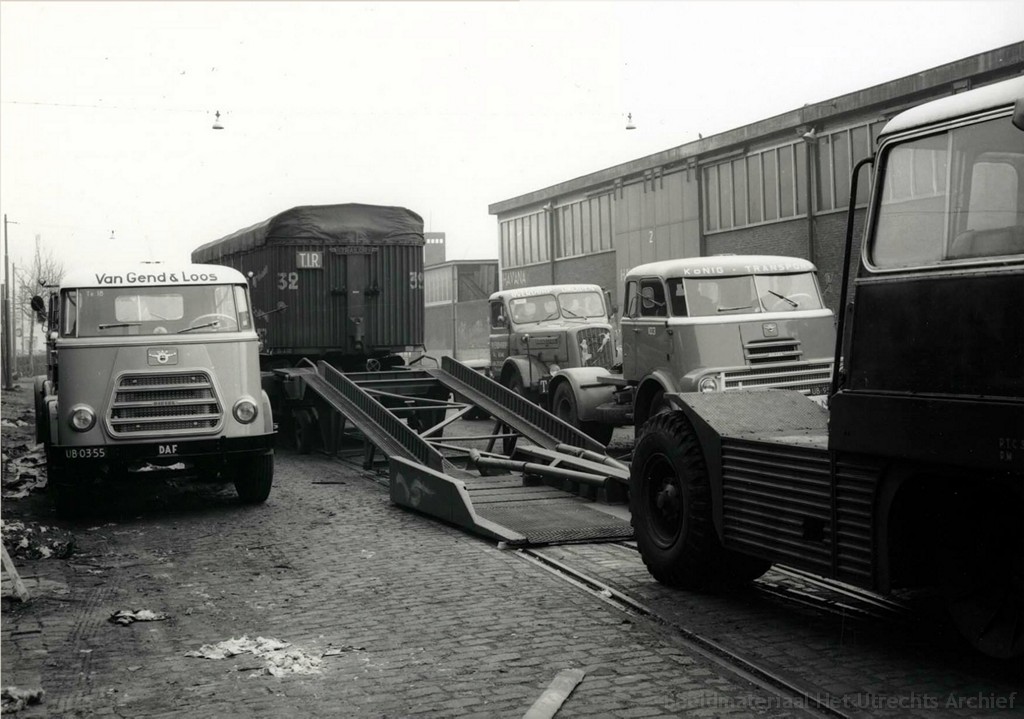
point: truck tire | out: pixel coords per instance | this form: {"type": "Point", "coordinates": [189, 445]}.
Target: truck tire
{"type": "Point", "coordinates": [563, 406]}
{"type": "Point", "coordinates": [254, 478]}
{"type": "Point", "coordinates": [670, 507]}
{"type": "Point", "coordinates": [42, 416]}
{"type": "Point", "coordinates": [670, 504]}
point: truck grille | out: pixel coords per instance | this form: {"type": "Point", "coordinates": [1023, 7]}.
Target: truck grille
{"type": "Point", "coordinates": [765, 351]}
{"type": "Point", "coordinates": [810, 378]}
{"type": "Point", "coordinates": [596, 346]}
{"type": "Point", "coordinates": [151, 404]}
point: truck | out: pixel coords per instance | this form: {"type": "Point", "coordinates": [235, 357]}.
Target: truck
{"type": "Point", "coordinates": [536, 331]}
{"type": "Point", "coordinates": [152, 366]}
{"type": "Point", "coordinates": [914, 474]}
{"type": "Point", "coordinates": [704, 324]}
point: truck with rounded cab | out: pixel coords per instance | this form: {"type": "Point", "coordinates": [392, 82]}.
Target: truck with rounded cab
{"type": "Point", "coordinates": [537, 331]}
{"type": "Point", "coordinates": [704, 324]}
{"type": "Point", "coordinates": [152, 366]}
{"type": "Point", "coordinates": [914, 475]}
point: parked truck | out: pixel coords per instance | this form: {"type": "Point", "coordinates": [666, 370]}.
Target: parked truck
{"type": "Point", "coordinates": [149, 367]}
{"type": "Point", "coordinates": [914, 475]}
{"type": "Point", "coordinates": [704, 324]}
{"type": "Point", "coordinates": [536, 331]}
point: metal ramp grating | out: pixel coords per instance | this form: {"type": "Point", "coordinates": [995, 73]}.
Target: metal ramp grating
{"type": "Point", "coordinates": [542, 514]}
{"type": "Point", "coordinates": [555, 521]}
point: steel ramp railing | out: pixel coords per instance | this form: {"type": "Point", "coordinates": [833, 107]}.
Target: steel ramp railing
{"type": "Point", "coordinates": [539, 426]}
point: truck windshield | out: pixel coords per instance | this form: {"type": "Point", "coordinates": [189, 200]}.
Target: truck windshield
{"type": "Point", "coordinates": [582, 304]}
{"type": "Point", "coordinates": [951, 196]}
{"type": "Point", "coordinates": [122, 311]}
{"type": "Point", "coordinates": [533, 309]}
{"type": "Point", "coordinates": [715, 296]}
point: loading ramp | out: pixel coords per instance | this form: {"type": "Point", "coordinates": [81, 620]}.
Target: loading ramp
{"type": "Point", "coordinates": [538, 480]}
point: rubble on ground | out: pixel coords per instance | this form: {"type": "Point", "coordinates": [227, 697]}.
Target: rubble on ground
{"type": "Point", "coordinates": [279, 657]}
{"type": "Point", "coordinates": [30, 540]}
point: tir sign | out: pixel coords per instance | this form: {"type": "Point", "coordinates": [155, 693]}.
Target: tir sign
{"type": "Point", "coordinates": [309, 260]}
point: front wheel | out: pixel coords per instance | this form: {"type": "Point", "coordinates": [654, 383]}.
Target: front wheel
{"type": "Point", "coordinates": [563, 406]}
{"type": "Point", "coordinates": [254, 477]}
{"type": "Point", "coordinates": [670, 504]}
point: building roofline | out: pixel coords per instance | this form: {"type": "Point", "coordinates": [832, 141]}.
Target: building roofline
{"type": "Point", "coordinates": [982, 68]}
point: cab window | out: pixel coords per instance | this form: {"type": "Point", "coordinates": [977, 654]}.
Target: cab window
{"type": "Point", "coordinates": [632, 299]}
{"type": "Point", "coordinates": [498, 319]}
{"type": "Point", "coordinates": [677, 296]}
{"type": "Point", "coordinates": [652, 299]}
{"type": "Point", "coordinates": [952, 196]}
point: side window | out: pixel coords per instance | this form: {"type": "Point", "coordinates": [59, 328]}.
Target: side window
{"type": "Point", "coordinates": [498, 318]}
{"type": "Point", "coordinates": [677, 297]}
{"type": "Point", "coordinates": [632, 300]}
{"type": "Point", "coordinates": [993, 197]}
{"type": "Point", "coordinates": [652, 299]}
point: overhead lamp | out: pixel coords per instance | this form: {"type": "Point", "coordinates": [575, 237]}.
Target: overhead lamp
{"type": "Point", "coordinates": [216, 121]}
{"type": "Point", "coordinates": [629, 122]}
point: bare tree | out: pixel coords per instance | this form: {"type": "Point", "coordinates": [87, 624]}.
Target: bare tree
{"type": "Point", "coordinates": [41, 278]}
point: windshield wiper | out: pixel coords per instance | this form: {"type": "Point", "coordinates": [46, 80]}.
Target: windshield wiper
{"type": "Point", "coordinates": [199, 327]}
{"type": "Point", "coordinates": [732, 309]}
{"type": "Point", "coordinates": [112, 325]}
{"type": "Point", "coordinates": [783, 297]}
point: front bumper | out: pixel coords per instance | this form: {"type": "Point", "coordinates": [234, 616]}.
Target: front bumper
{"type": "Point", "coordinates": [110, 455]}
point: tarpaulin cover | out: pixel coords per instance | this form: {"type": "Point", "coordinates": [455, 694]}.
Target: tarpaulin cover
{"type": "Point", "coordinates": [349, 224]}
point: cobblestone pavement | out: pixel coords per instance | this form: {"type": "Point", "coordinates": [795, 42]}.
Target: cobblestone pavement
{"type": "Point", "coordinates": [407, 617]}
{"type": "Point", "coordinates": [399, 615]}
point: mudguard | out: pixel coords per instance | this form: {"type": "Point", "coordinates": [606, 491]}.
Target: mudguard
{"type": "Point", "coordinates": [756, 415]}
{"type": "Point", "coordinates": [530, 369]}
{"type": "Point", "coordinates": [588, 391]}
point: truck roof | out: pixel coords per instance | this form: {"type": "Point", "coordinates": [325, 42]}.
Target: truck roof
{"type": "Point", "coordinates": [346, 224]}
{"type": "Point", "coordinates": [722, 266]}
{"type": "Point", "coordinates": [988, 97]}
{"type": "Point", "coordinates": [151, 275]}
{"type": "Point", "coordinates": [543, 290]}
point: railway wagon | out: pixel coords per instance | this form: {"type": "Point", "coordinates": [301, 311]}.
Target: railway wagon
{"type": "Point", "coordinates": [457, 310]}
{"type": "Point", "coordinates": [341, 283]}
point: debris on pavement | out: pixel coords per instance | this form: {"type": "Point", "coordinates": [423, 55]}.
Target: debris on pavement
{"type": "Point", "coordinates": [279, 657]}
{"type": "Point", "coordinates": [36, 541]}
{"type": "Point", "coordinates": [124, 617]}
{"type": "Point", "coordinates": [13, 699]}
{"type": "Point", "coordinates": [24, 471]}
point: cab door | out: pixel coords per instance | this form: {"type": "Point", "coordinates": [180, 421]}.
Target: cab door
{"type": "Point", "coordinates": [500, 326]}
{"type": "Point", "coordinates": [645, 341]}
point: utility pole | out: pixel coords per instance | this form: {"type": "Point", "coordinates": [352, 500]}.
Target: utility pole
{"type": "Point", "coordinates": [8, 374]}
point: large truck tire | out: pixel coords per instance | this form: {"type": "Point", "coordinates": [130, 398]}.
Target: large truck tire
{"type": "Point", "coordinates": [563, 406]}
{"type": "Point", "coordinates": [42, 416]}
{"type": "Point", "coordinates": [670, 504]}
{"type": "Point", "coordinates": [254, 478]}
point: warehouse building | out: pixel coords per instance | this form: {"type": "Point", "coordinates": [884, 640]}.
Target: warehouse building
{"type": "Point", "coordinates": [777, 186]}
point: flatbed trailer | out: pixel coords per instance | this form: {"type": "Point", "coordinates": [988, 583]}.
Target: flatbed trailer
{"type": "Point", "coordinates": [539, 480]}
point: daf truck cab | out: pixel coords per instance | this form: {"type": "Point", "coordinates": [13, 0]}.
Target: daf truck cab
{"type": "Point", "coordinates": [705, 324]}
{"type": "Point", "coordinates": [152, 366]}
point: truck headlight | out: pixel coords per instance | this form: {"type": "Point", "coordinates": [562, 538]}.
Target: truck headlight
{"type": "Point", "coordinates": [82, 418]}
{"type": "Point", "coordinates": [245, 410]}
{"type": "Point", "coordinates": [552, 368]}
{"type": "Point", "coordinates": [708, 384]}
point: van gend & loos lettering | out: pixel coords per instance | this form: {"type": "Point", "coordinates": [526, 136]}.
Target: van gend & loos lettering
{"type": "Point", "coordinates": [138, 278]}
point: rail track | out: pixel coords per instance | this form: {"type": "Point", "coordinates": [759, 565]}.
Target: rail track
{"type": "Point", "coordinates": [785, 691]}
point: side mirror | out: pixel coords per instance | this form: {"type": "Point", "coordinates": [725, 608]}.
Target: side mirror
{"type": "Point", "coordinates": [647, 298]}
{"type": "Point", "coordinates": [39, 307]}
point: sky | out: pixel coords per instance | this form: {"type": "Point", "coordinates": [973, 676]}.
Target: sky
{"type": "Point", "coordinates": [107, 151]}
